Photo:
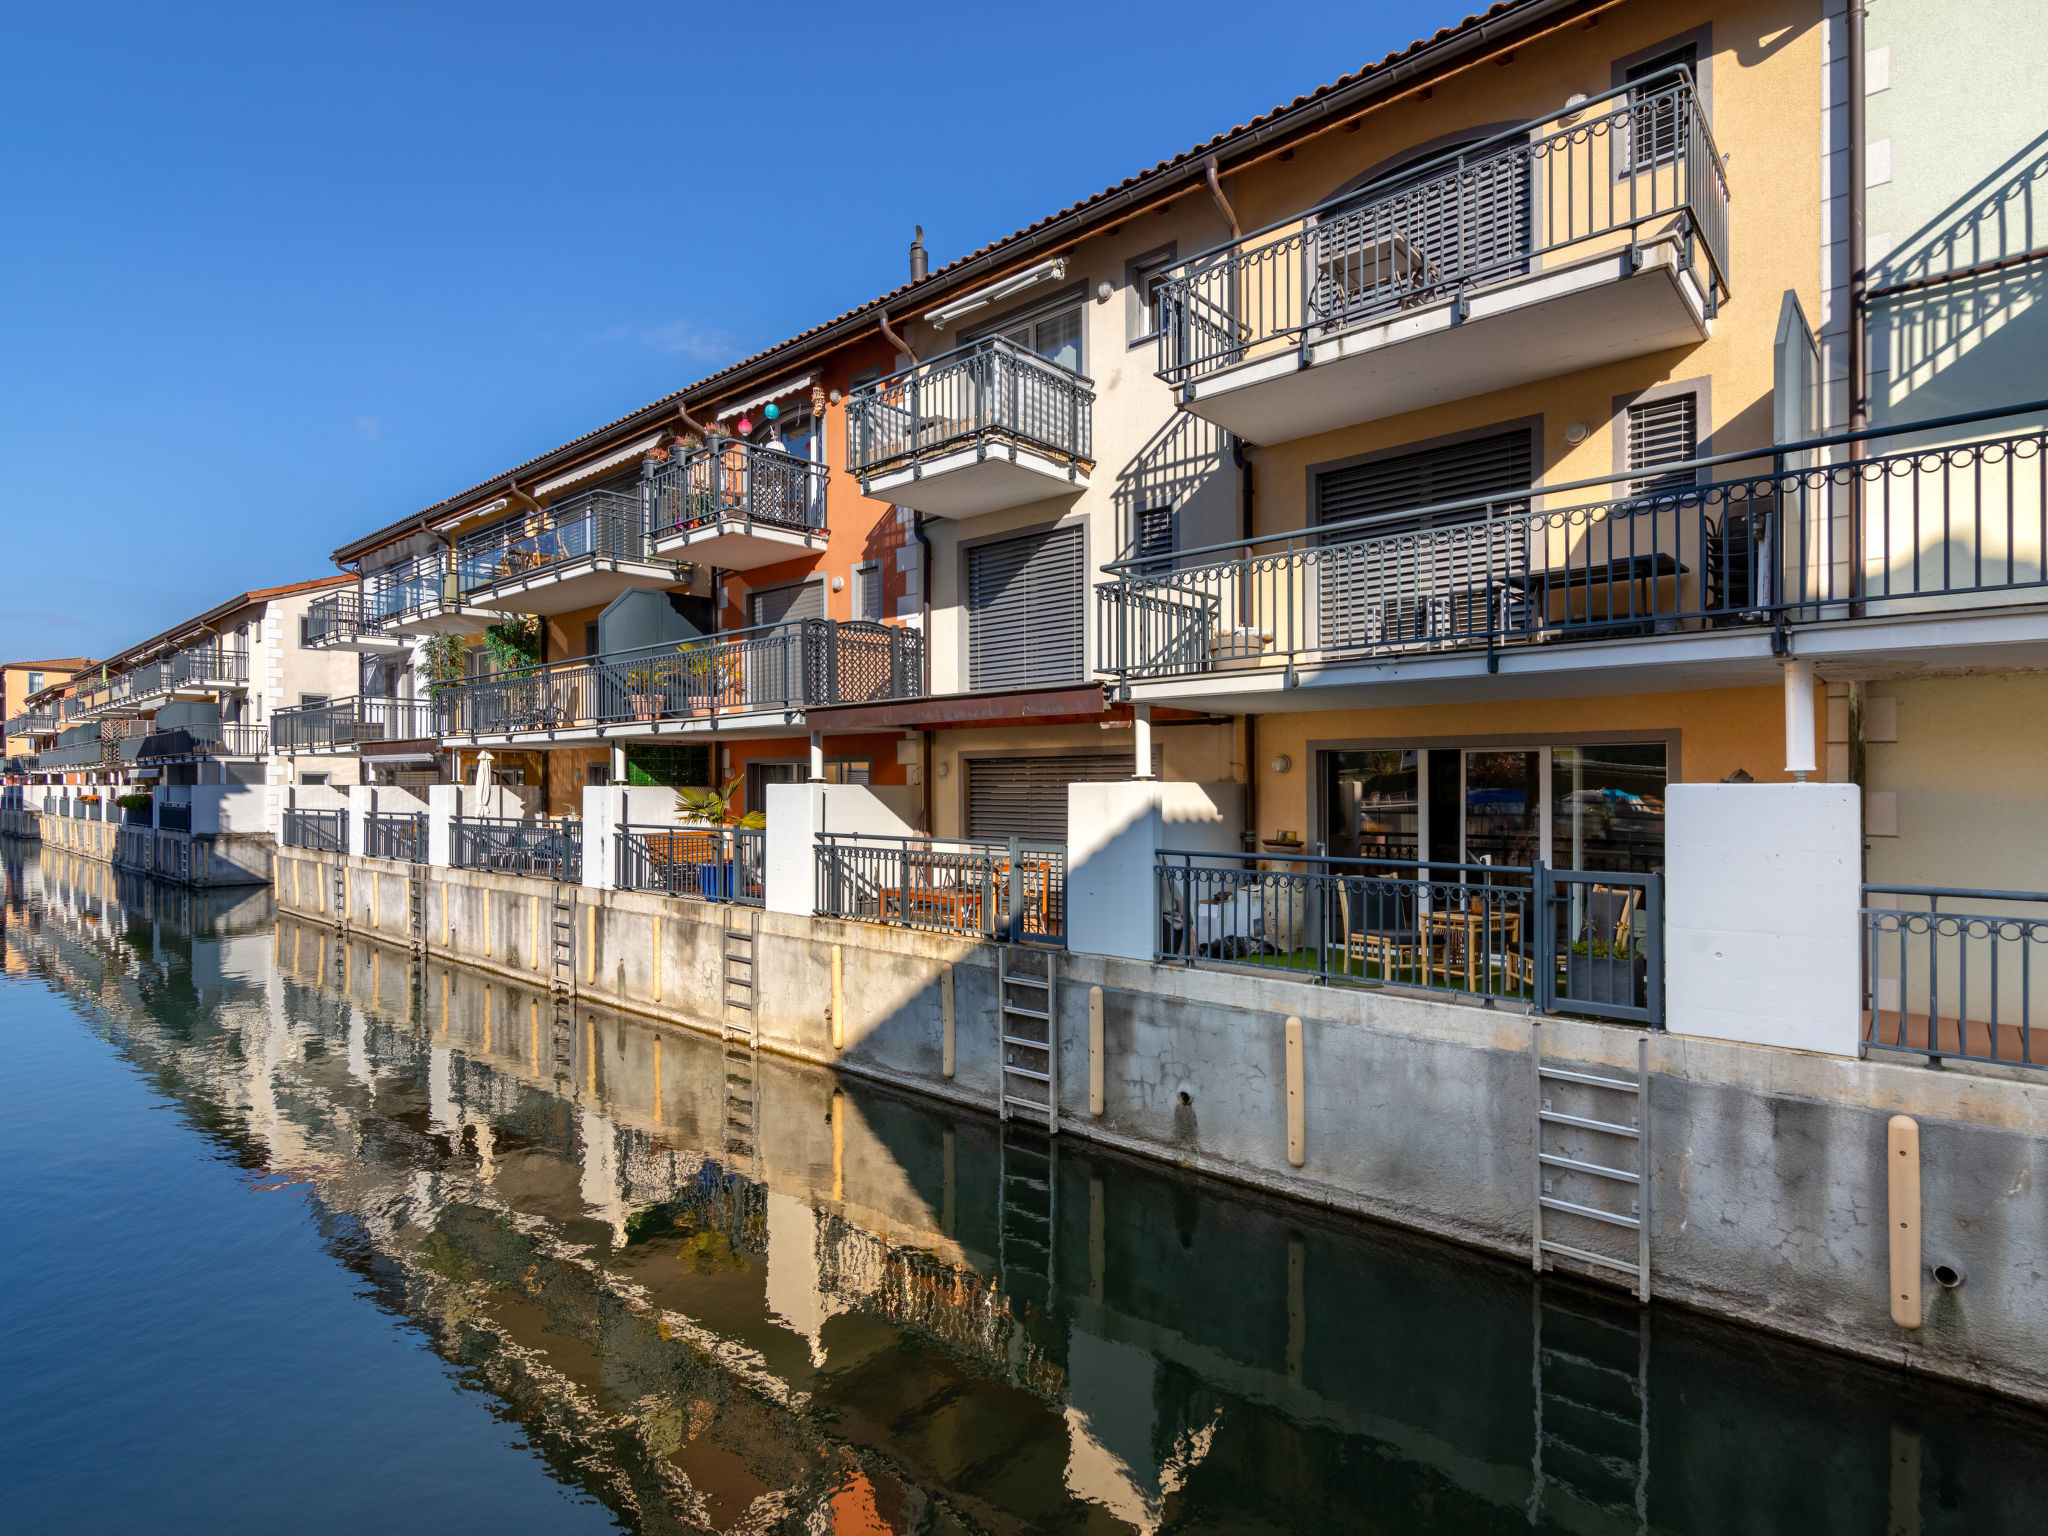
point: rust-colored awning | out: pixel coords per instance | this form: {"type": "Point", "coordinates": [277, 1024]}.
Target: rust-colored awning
{"type": "Point", "coordinates": [1084, 704]}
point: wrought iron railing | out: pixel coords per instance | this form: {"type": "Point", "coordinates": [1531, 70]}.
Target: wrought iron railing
{"type": "Point", "coordinates": [727, 481]}
{"type": "Point", "coordinates": [395, 835]}
{"type": "Point", "coordinates": [323, 830]}
{"type": "Point", "coordinates": [989, 393]}
{"type": "Point", "coordinates": [1630, 166]}
{"type": "Point", "coordinates": [1574, 941]}
{"type": "Point", "coordinates": [335, 618]}
{"type": "Point", "coordinates": [1952, 972]}
{"type": "Point", "coordinates": [342, 723]}
{"type": "Point", "coordinates": [414, 586]}
{"type": "Point", "coordinates": [597, 525]}
{"type": "Point", "coordinates": [716, 863]}
{"type": "Point", "coordinates": [1804, 540]}
{"type": "Point", "coordinates": [789, 666]}
{"type": "Point", "coordinates": [1015, 890]}
{"type": "Point", "coordinates": [553, 849]}
{"type": "Point", "coordinates": [33, 723]}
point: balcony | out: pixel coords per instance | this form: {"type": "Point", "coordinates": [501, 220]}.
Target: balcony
{"type": "Point", "coordinates": [210, 741]}
{"type": "Point", "coordinates": [343, 725]}
{"type": "Point", "coordinates": [416, 597]}
{"type": "Point", "coordinates": [758, 679]}
{"type": "Point", "coordinates": [580, 554]}
{"type": "Point", "coordinates": [335, 623]}
{"type": "Point", "coordinates": [987, 426]}
{"type": "Point", "coordinates": [33, 723]}
{"type": "Point", "coordinates": [735, 506]}
{"type": "Point", "coordinates": [1563, 244]}
{"type": "Point", "coordinates": [1920, 558]}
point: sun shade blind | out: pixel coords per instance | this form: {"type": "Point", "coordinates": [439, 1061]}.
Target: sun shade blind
{"type": "Point", "coordinates": [1663, 432]}
{"type": "Point", "coordinates": [1486, 466]}
{"type": "Point", "coordinates": [1027, 796]}
{"type": "Point", "coordinates": [788, 605]}
{"type": "Point", "coordinates": [1024, 611]}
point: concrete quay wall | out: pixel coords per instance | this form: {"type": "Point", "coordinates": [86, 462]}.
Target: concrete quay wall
{"type": "Point", "coordinates": [1768, 1193]}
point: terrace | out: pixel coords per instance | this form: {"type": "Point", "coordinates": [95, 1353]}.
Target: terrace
{"type": "Point", "coordinates": [579, 554]}
{"type": "Point", "coordinates": [736, 506]}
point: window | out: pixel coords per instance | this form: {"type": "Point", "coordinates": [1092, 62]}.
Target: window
{"type": "Point", "coordinates": [1053, 332]}
{"type": "Point", "coordinates": [1153, 540]}
{"type": "Point", "coordinates": [304, 619]}
{"type": "Point", "coordinates": [1663, 432]}
{"type": "Point", "coordinates": [1146, 276]}
{"type": "Point", "coordinates": [35, 682]}
{"type": "Point", "coordinates": [308, 700]}
{"type": "Point", "coordinates": [787, 605]}
{"type": "Point", "coordinates": [590, 640]}
{"type": "Point", "coordinates": [867, 591]}
{"type": "Point", "coordinates": [1025, 611]}
{"type": "Point", "coordinates": [1657, 125]}
{"type": "Point", "coordinates": [313, 780]}
{"type": "Point", "coordinates": [1027, 796]}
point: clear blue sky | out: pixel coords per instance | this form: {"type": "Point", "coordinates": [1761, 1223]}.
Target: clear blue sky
{"type": "Point", "coordinates": [275, 275]}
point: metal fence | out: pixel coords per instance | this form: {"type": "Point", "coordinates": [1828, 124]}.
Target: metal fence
{"type": "Point", "coordinates": [1633, 164]}
{"type": "Point", "coordinates": [1951, 972]}
{"type": "Point", "coordinates": [396, 835]}
{"type": "Point", "coordinates": [346, 722]}
{"type": "Point", "coordinates": [1891, 533]}
{"type": "Point", "coordinates": [989, 391]}
{"type": "Point", "coordinates": [593, 526]}
{"type": "Point", "coordinates": [411, 586]}
{"type": "Point", "coordinates": [324, 830]}
{"type": "Point", "coordinates": [728, 481]}
{"type": "Point", "coordinates": [716, 863]}
{"type": "Point", "coordinates": [1013, 890]}
{"type": "Point", "coordinates": [171, 815]}
{"type": "Point", "coordinates": [336, 617]}
{"type": "Point", "coordinates": [553, 849]}
{"type": "Point", "coordinates": [1574, 941]}
{"type": "Point", "coordinates": [788, 666]}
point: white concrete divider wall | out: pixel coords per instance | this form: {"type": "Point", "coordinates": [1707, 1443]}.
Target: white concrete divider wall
{"type": "Point", "coordinates": [1762, 939]}
{"type": "Point", "coordinates": [607, 807]}
{"type": "Point", "coordinates": [1115, 830]}
{"type": "Point", "coordinates": [797, 813]}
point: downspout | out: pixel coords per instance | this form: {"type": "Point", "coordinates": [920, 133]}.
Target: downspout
{"type": "Point", "coordinates": [1859, 381]}
{"type": "Point", "coordinates": [1246, 514]}
{"type": "Point", "coordinates": [889, 335]}
{"type": "Point", "coordinates": [925, 615]}
{"type": "Point", "coordinates": [1216, 191]}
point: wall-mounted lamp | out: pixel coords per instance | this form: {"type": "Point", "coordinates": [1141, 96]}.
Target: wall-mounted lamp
{"type": "Point", "coordinates": [1572, 103]}
{"type": "Point", "coordinates": [1104, 289]}
{"type": "Point", "coordinates": [833, 397]}
{"type": "Point", "coordinates": [838, 583]}
{"type": "Point", "coordinates": [945, 769]}
{"type": "Point", "coordinates": [1283, 763]}
{"type": "Point", "coordinates": [1577, 432]}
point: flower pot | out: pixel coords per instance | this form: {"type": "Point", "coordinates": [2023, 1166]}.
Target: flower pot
{"type": "Point", "coordinates": [1611, 979]}
{"type": "Point", "coordinates": [644, 706]}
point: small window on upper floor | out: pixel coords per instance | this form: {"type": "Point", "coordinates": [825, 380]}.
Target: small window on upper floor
{"type": "Point", "coordinates": [1147, 276]}
{"type": "Point", "coordinates": [307, 700]}
{"type": "Point", "coordinates": [1153, 538]}
{"type": "Point", "coordinates": [867, 591]}
{"type": "Point", "coordinates": [35, 682]}
{"type": "Point", "coordinates": [1657, 126]}
{"type": "Point", "coordinates": [1663, 432]}
{"type": "Point", "coordinates": [590, 637]}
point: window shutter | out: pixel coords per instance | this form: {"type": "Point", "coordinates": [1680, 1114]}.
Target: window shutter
{"type": "Point", "coordinates": [1025, 605]}
{"type": "Point", "coordinates": [1663, 432]}
{"type": "Point", "coordinates": [1154, 539]}
{"type": "Point", "coordinates": [1027, 796]}
{"type": "Point", "coordinates": [867, 593]}
{"type": "Point", "coordinates": [789, 605]}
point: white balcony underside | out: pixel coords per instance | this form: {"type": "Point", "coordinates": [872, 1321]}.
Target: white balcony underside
{"type": "Point", "coordinates": [462, 619]}
{"type": "Point", "coordinates": [767, 722]}
{"type": "Point", "coordinates": [1842, 650]}
{"type": "Point", "coordinates": [738, 546]}
{"type": "Point", "coordinates": [367, 644]}
{"type": "Point", "coordinates": [552, 590]}
{"type": "Point", "coordinates": [975, 480]}
{"type": "Point", "coordinates": [1549, 323]}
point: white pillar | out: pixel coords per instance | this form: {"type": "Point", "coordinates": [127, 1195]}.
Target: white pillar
{"type": "Point", "coordinates": [1141, 740]}
{"type": "Point", "coordinates": [1799, 722]}
{"type": "Point", "coordinates": [618, 766]}
{"type": "Point", "coordinates": [817, 757]}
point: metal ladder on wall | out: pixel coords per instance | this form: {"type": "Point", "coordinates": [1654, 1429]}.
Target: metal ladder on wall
{"type": "Point", "coordinates": [562, 976]}
{"type": "Point", "coordinates": [341, 892]}
{"type": "Point", "coordinates": [1027, 1029]}
{"type": "Point", "coordinates": [739, 936]}
{"type": "Point", "coordinates": [416, 912]}
{"type": "Point", "coordinates": [1592, 1145]}
{"type": "Point", "coordinates": [1591, 1375]}
{"type": "Point", "coordinates": [1027, 1215]}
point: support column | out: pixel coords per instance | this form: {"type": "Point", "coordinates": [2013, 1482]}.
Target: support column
{"type": "Point", "coordinates": [1141, 740]}
{"type": "Point", "coordinates": [1799, 720]}
{"type": "Point", "coordinates": [817, 757]}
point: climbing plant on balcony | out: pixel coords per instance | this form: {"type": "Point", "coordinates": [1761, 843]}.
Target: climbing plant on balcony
{"type": "Point", "coordinates": [516, 642]}
{"type": "Point", "coordinates": [442, 660]}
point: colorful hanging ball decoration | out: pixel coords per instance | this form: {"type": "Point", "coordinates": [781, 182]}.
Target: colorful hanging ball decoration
{"type": "Point", "coordinates": [771, 412]}
{"type": "Point", "coordinates": [745, 425]}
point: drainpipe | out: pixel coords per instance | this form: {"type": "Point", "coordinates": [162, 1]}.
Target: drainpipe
{"type": "Point", "coordinates": [1247, 520]}
{"type": "Point", "coordinates": [889, 335]}
{"type": "Point", "coordinates": [1216, 191]}
{"type": "Point", "coordinates": [1859, 401]}
{"type": "Point", "coordinates": [925, 614]}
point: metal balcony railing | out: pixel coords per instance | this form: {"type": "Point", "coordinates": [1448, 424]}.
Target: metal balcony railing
{"type": "Point", "coordinates": [324, 830]}
{"type": "Point", "coordinates": [1014, 890]}
{"type": "Point", "coordinates": [597, 525]}
{"type": "Point", "coordinates": [34, 723]}
{"type": "Point", "coordinates": [1633, 164]}
{"type": "Point", "coordinates": [1957, 526]}
{"type": "Point", "coordinates": [395, 835]}
{"type": "Point", "coordinates": [412, 586]}
{"type": "Point", "coordinates": [219, 740]}
{"type": "Point", "coordinates": [347, 722]}
{"type": "Point", "coordinates": [336, 617]}
{"type": "Point", "coordinates": [988, 393]}
{"type": "Point", "coordinates": [716, 863]}
{"type": "Point", "coordinates": [552, 849]}
{"type": "Point", "coordinates": [780, 667]}
{"type": "Point", "coordinates": [728, 481]}
{"type": "Point", "coordinates": [1950, 973]}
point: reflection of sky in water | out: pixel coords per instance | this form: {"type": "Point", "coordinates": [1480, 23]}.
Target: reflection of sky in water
{"type": "Point", "coordinates": [270, 1198]}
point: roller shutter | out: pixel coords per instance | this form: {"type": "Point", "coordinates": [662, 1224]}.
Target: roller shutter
{"type": "Point", "coordinates": [789, 605]}
{"type": "Point", "coordinates": [1027, 796]}
{"type": "Point", "coordinates": [1025, 604]}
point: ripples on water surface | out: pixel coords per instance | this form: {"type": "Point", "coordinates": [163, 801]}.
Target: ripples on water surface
{"type": "Point", "coordinates": [302, 1237]}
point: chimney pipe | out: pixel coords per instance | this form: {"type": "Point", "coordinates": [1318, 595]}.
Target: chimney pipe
{"type": "Point", "coordinates": [920, 264]}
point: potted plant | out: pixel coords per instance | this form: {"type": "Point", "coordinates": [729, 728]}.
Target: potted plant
{"type": "Point", "coordinates": [711, 807]}
{"type": "Point", "coordinates": [641, 698]}
{"type": "Point", "coordinates": [1598, 973]}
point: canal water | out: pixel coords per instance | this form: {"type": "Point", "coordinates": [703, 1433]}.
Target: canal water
{"type": "Point", "coordinates": [301, 1235]}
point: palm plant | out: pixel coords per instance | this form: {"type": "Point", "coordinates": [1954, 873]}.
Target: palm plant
{"type": "Point", "coordinates": [710, 806]}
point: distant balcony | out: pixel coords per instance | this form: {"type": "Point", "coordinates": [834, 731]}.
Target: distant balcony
{"type": "Point", "coordinates": [579, 554]}
{"type": "Point", "coordinates": [219, 741]}
{"type": "Point", "coordinates": [419, 596]}
{"type": "Point", "coordinates": [736, 506]}
{"type": "Point", "coordinates": [985, 427]}
{"type": "Point", "coordinates": [1928, 558]}
{"type": "Point", "coordinates": [342, 725]}
{"type": "Point", "coordinates": [335, 623]}
{"type": "Point", "coordinates": [1566, 243]}
{"type": "Point", "coordinates": [761, 678]}
{"type": "Point", "coordinates": [33, 723]}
